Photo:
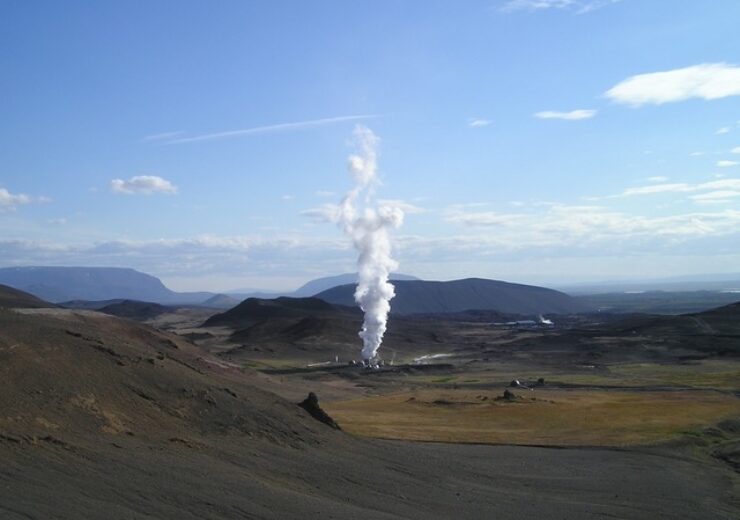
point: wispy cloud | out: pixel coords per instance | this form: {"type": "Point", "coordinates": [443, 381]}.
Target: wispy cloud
{"type": "Point", "coordinates": [726, 164]}
{"type": "Point", "coordinates": [723, 130]}
{"type": "Point", "coordinates": [328, 212]}
{"type": "Point", "coordinates": [189, 256]}
{"type": "Point", "coordinates": [576, 6]}
{"type": "Point", "coordinates": [562, 225]}
{"type": "Point", "coordinates": [712, 192]}
{"type": "Point", "coordinates": [704, 81]}
{"type": "Point", "coordinates": [478, 123]}
{"type": "Point", "coordinates": [281, 127]}
{"type": "Point", "coordinates": [325, 193]}
{"type": "Point", "coordinates": [735, 150]}
{"type": "Point", "coordinates": [11, 201]}
{"type": "Point", "coordinates": [164, 136]}
{"type": "Point", "coordinates": [716, 197]}
{"type": "Point", "coordinates": [658, 178]}
{"type": "Point", "coordinates": [142, 185]}
{"type": "Point", "coordinates": [573, 115]}
{"type": "Point", "coordinates": [656, 188]}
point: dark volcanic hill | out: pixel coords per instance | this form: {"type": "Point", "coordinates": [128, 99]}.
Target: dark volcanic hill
{"type": "Point", "coordinates": [10, 297]}
{"type": "Point", "coordinates": [58, 284]}
{"type": "Point", "coordinates": [310, 328]}
{"type": "Point", "coordinates": [421, 296]}
{"type": "Point", "coordinates": [722, 321]}
{"type": "Point", "coordinates": [134, 310]}
{"type": "Point", "coordinates": [253, 310]}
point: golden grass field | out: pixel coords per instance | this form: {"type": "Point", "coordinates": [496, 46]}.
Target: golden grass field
{"type": "Point", "coordinates": [540, 417]}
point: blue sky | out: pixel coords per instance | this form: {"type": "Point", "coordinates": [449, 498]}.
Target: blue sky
{"type": "Point", "coordinates": [528, 140]}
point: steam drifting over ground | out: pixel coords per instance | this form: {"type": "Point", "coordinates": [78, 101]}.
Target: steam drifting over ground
{"type": "Point", "coordinates": [368, 225]}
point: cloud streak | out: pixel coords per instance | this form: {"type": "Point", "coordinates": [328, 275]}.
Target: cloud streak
{"type": "Point", "coordinates": [281, 127]}
{"type": "Point", "coordinates": [704, 81]}
{"type": "Point", "coordinates": [576, 6]}
{"type": "Point", "coordinates": [142, 185]}
{"type": "Point", "coordinates": [727, 164]}
{"type": "Point", "coordinates": [10, 201]}
{"type": "Point", "coordinates": [162, 136]}
{"type": "Point", "coordinates": [573, 115]}
{"type": "Point", "coordinates": [478, 123]}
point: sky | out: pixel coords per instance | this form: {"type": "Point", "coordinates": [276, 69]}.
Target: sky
{"type": "Point", "coordinates": [536, 141]}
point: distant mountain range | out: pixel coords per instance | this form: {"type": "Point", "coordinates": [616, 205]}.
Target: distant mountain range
{"type": "Point", "coordinates": [59, 284]}
{"type": "Point", "coordinates": [96, 287]}
{"type": "Point", "coordinates": [700, 282]}
{"type": "Point", "coordinates": [98, 284]}
{"type": "Point", "coordinates": [418, 296]}
{"type": "Point", "coordinates": [312, 287]}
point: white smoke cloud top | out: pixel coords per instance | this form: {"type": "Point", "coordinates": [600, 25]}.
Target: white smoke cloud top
{"type": "Point", "coordinates": [369, 228]}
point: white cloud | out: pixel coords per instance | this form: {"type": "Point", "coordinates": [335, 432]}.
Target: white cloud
{"type": "Point", "coordinates": [281, 127]}
{"type": "Point", "coordinates": [573, 115]}
{"type": "Point", "coordinates": [725, 164]}
{"type": "Point", "coordinates": [576, 6]}
{"type": "Point", "coordinates": [658, 178]}
{"type": "Point", "coordinates": [696, 154]}
{"type": "Point", "coordinates": [164, 136]}
{"type": "Point", "coordinates": [704, 81]}
{"type": "Point", "coordinates": [9, 201]}
{"type": "Point", "coordinates": [142, 185]}
{"type": "Point", "coordinates": [657, 188]}
{"type": "Point", "coordinates": [478, 123]}
{"type": "Point", "coordinates": [325, 193]}
{"type": "Point", "coordinates": [190, 257]}
{"type": "Point", "coordinates": [716, 197]}
{"type": "Point", "coordinates": [564, 226]}
{"type": "Point", "coordinates": [723, 184]}
{"type": "Point", "coordinates": [325, 213]}
{"type": "Point", "coordinates": [723, 130]}
{"type": "Point", "coordinates": [287, 198]}
{"type": "Point", "coordinates": [735, 150]}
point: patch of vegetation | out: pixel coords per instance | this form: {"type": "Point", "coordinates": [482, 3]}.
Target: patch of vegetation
{"type": "Point", "coordinates": [550, 417]}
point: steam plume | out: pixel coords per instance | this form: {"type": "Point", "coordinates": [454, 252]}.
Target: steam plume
{"type": "Point", "coordinates": [368, 226]}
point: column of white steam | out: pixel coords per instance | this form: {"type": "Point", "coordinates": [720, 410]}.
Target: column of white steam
{"type": "Point", "coordinates": [368, 227]}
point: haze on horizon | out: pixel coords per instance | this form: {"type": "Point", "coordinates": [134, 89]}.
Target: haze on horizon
{"type": "Point", "coordinates": [544, 141]}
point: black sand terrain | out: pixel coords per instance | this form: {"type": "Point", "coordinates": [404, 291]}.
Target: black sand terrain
{"type": "Point", "coordinates": [103, 418]}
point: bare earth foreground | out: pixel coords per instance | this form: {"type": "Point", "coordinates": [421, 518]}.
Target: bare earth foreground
{"type": "Point", "coordinates": [104, 418]}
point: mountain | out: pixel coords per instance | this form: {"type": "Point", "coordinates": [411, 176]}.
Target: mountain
{"type": "Point", "coordinates": [421, 296]}
{"type": "Point", "coordinates": [253, 310]}
{"type": "Point", "coordinates": [134, 310]}
{"type": "Point", "coordinates": [221, 301]}
{"type": "Point", "coordinates": [10, 297]}
{"type": "Point", "coordinates": [58, 284]}
{"type": "Point", "coordinates": [722, 321]}
{"type": "Point", "coordinates": [310, 288]}
{"type": "Point", "coordinates": [698, 282]}
{"type": "Point", "coordinates": [318, 285]}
